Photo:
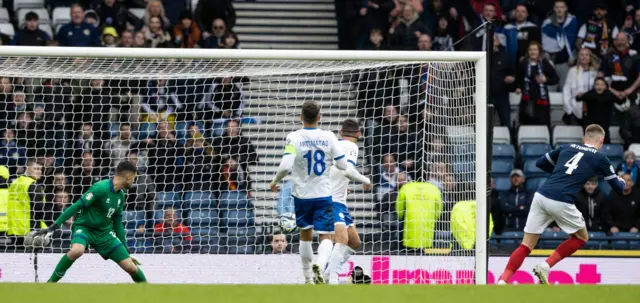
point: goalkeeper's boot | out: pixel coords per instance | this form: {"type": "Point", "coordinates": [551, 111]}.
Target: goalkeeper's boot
{"type": "Point", "coordinates": [318, 274]}
{"type": "Point", "coordinates": [542, 272]}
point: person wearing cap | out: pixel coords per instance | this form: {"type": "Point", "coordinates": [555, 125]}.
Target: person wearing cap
{"type": "Point", "coordinates": [109, 37]}
{"type": "Point", "coordinates": [598, 33]}
{"type": "Point", "coordinates": [78, 32]}
{"type": "Point", "coordinates": [4, 199]}
{"type": "Point", "coordinates": [515, 203]}
{"type": "Point", "coordinates": [31, 34]}
{"type": "Point", "coordinates": [186, 33]}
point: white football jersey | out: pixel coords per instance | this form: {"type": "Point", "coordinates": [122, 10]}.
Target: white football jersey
{"type": "Point", "coordinates": [339, 182]}
{"type": "Point", "coordinates": [315, 151]}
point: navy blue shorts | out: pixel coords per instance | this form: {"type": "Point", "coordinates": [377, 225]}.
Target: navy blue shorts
{"type": "Point", "coordinates": [341, 214]}
{"type": "Point", "coordinates": [315, 213]}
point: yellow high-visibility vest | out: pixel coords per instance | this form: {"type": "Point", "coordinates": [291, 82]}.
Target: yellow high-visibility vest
{"type": "Point", "coordinates": [4, 207]}
{"type": "Point", "coordinates": [19, 207]}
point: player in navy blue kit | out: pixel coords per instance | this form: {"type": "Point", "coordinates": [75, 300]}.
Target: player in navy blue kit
{"type": "Point", "coordinates": [570, 167]}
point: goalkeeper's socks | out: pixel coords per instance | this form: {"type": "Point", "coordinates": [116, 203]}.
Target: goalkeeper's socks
{"type": "Point", "coordinates": [139, 277]}
{"type": "Point", "coordinates": [63, 265]}
{"type": "Point", "coordinates": [515, 261]}
{"type": "Point", "coordinates": [335, 261]}
{"type": "Point", "coordinates": [306, 256]}
{"type": "Point", "coordinates": [565, 249]}
{"type": "Point", "coordinates": [324, 253]}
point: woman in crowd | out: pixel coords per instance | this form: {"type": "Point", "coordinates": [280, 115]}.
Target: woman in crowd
{"type": "Point", "coordinates": [629, 166]}
{"type": "Point", "coordinates": [534, 74]}
{"type": "Point", "coordinates": [580, 79]}
{"type": "Point", "coordinates": [598, 105]}
{"type": "Point", "coordinates": [155, 35]}
{"type": "Point", "coordinates": [155, 9]}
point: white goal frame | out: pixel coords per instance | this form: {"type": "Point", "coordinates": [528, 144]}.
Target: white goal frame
{"type": "Point", "coordinates": [479, 58]}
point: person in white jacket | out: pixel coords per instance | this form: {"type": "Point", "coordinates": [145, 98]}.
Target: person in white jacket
{"type": "Point", "coordinates": [579, 80]}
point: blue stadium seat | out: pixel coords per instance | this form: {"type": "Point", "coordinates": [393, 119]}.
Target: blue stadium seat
{"type": "Point", "coordinates": [613, 151]}
{"type": "Point", "coordinates": [604, 187]}
{"type": "Point", "coordinates": [237, 218]}
{"type": "Point", "coordinates": [503, 184]}
{"type": "Point", "coordinates": [463, 167]}
{"type": "Point", "coordinates": [504, 152]}
{"type": "Point", "coordinates": [442, 239]}
{"type": "Point", "coordinates": [501, 168]}
{"type": "Point", "coordinates": [465, 152]}
{"type": "Point", "coordinates": [512, 238]}
{"type": "Point", "coordinates": [624, 240]}
{"type": "Point", "coordinates": [532, 171]}
{"type": "Point", "coordinates": [240, 250]}
{"type": "Point", "coordinates": [239, 241]}
{"type": "Point", "coordinates": [146, 130]}
{"type": "Point", "coordinates": [132, 219]}
{"type": "Point", "coordinates": [597, 240]}
{"type": "Point", "coordinates": [167, 199]}
{"type": "Point", "coordinates": [241, 232]}
{"type": "Point", "coordinates": [203, 218]}
{"type": "Point", "coordinates": [389, 222]}
{"type": "Point", "coordinates": [533, 183]}
{"type": "Point", "coordinates": [234, 200]}
{"type": "Point", "coordinates": [206, 240]}
{"type": "Point", "coordinates": [533, 151]}
{"type": "Point", "coordinates": [200, 200]}
{"type": "Point", "coordinates": [550, 239]}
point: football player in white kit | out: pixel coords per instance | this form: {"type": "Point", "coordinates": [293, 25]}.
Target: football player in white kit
{"type": "Point", "coordinates": [309, 154]}
{"type": "Point", "coordinates": [346, 237]}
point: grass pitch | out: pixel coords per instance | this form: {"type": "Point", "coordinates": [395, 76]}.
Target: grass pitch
{"type": "Point", "coordinates": [155, 293]}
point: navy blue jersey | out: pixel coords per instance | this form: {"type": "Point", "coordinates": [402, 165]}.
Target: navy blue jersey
{"type": "Point", "coordinates": [571, 167]}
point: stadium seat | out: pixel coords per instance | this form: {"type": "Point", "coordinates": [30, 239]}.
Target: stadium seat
{"type": "Point", "coordinates": [613, 151]}
{"type": "Point", "coordinates": [237, 218]}
{"type": "Point", "coordinates": [47, 29]}
{"type": "Point", "coordinates": [200, 200]}
{"type": "Point", "coordinates": [604, 187]}
{"type": "Point", "coordinates": [501, 168]}
{"type": "Point", "coordinates": [167, 199]}
{"type": "Point", "coordinates": [556, 102]}
{"type": "Point", "coordinates": [4, 15]}
{"type": "Point", "coordinates": [463, 167]}
{"type": "Point", "coordinates": [240, 250]}
{"type": "Point", "coordinates": [533, 134]}
{"type": "Point", "coordinates": [7, 29]}
{"type": "Point", "coordinates": [442, 239]}
{"type": "Point", "coordinates": [205, 240]}
{"type": "Point", "coordinates": [501, 135]}
{"type": "Point", "coordinates": [597, 240]}
{"type": "Point", "coordinates": [132, 219]}
{"type": "Point", "coordinates": [60, 16]}
{"type": "Point", "coordinates": [624, 240]}
{"type": "Point", "coordinates": [532, 171]}
{"type": "Point", "coordinates": [138, 12]}
{"type": "Point", "coordinates": [532, 184]}
{"type": "Point", "coordinates": [203, 218]}
{"type": "Point", "coordinates": [551, 239]}
{"type": "Point", "coordinates": [533, 151]}
{"type": "Point", "coordinates": [614, 134]}
{"type": "Point", "coordinates": [19, 4]}
{"type": "Point", "coordinates": [234, 200]}
{"type": "Point", "coordinates": [460, 134]}
{"type": "Point", "coordinates": [567, 134]}
{"type": "Point", "coordinates": [241, 232]}
{"type": "Point", "coordinates": [511, 238]}
{"type": "Point", "coordinates": [635, 148]}
{"type": "Point", "coordinates": [503, 184]}
{"type": "Point", "coordinates": [504, 152]}
{"type": "Point", "coordinates": [389, 222]}
{"type": "Point", "coordinates": [241, 240]}
{"type": "Point", "coordinates": [42, 13]}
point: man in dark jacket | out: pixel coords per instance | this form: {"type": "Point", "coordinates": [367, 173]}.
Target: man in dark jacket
{"type": "Point", "coordinates": [589, 202]}
{"type": "Point", "coordinates": [112, 13]}
{"type": "Point", "coordinates": [630, 129]}
{"type": "Point", "coordinates": [405, 35]}
{"type": "Point", "coordinates": [503, 75]}
{"type": "Point", "coordinates": [622, 212]}
{"type": "Point", "coordinates": [515, 203]}
{"type": "Point", "coordinates": [78, 32]}
{"type": "Point", "coordinates": [30, 34]}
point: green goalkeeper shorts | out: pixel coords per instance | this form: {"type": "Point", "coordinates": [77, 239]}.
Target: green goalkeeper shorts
{"type": "Point", "coordinates": [104, 242]}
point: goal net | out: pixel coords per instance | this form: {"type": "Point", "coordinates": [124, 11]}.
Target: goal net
{"type": "Point", "coordinates": [206, 130]}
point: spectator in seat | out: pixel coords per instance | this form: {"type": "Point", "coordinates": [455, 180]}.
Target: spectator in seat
{"type": "Point", "coordinates": [109, 37]}
{"type": "Point", "coordinates": [224, 98]}
{"type": "Point", "coordinates": [515, 203]}
{"type": "Point", "coordinates": [159, 102]}
{"type": "Point", "coordinates": [156, 9]}
{"type": "Point", "coordinates": [597, 103]}
{"type": "Point", "coordinates": [163, 158]}
{"type": "Point", "coordinates": [598, 32]}
{"type": "Point", "coordinates": [59, 183]}
{"type": "Point", "coordinates": [142, 193]}
{"type": "Point", "coordinates": [503, 76]}
{"type": "Point", "coordinates": [633, 30]}
{"type": "Point", "coordinates": [25, 131]}
{"type": "Point", "coordinates": [404, 33]}
{"type": "Point", "coordinates": [489, 11]}
{"type": "Point", "coordinates": [559, 33]}
{"type": "Point", "coordinates": [589, 202]}
{"type": "Point", "coordinates": [113, 13]}
{"type": "Point", "coordinates": [120, 145]}
{"type": "Point", "coordinates": [31, 34]}
{"type": "Point", "coordinates": [84, 175]}
{"type": "Point", "coordinates": [209, 10]}
{"type": "Point", "coordinates": [186, 33]}
{"type": "Point", "coordinates": [384, 131]}
{"type": "Point", "coordinates": [232, 176]}
{"type": "Point", "coordinates": [533, 76]}
{"type": "Point", "coordinates": [629, 166]}
{"type": "Point", "coordinates": [215, 39]}
{"type": "Point", "coordinates": [62, 200]}
{"type": "Point", "coordinates": [93, 106]}
{"type": "Point", "coordinates": [425, 43]}
{"type": "Point", "coordinates": [171, 228]}
{"type": "Point", "coordinates": [580, 79]}
{"type": "Point", "coordinates": [405, 143]}
{"type": "Point", "coordinates": [86, 141]}
{"type": "Point", "coordinates": [621, 213]}
{"type": "Point", "coordinates": [201, 166]}
{"type": "Point", "coordinates": [620, 68]}
{"type": "Point", "coordinates": [443, 35]}
{"type": "Point", "coordinates": [279, 244]}
{"type": "Point", "coordinates": [386, 175]}
{"type": "Point", "coordinates": [127, 39]}
{"type": "Point", "coordinates": [139, 40]}
{"type": "Point", "coordinates": [231, 40]}
{"type": "Point", "coordinates": [11, 154]}
{"type": "Point", "coordinates": [388, 202]}
{"type": "Point", "coordinates": [78, 32]}
{"type": "Point", "coordinates": [630, 128]}
{"type": "Point", "coordinates": [91, 17]}
{"type": "Point", "coordinates": [376, 40]}
{"type": "Point", "coordinates": [233, 144]}
{"type": "Point", "coordinates": [155, 35]}
{"type": "Point", "coordinates": [437, 172]}
{"type": "Point", "coordinates": [520, 33]}
{"type": "Point", "coordinates": [370, 15]}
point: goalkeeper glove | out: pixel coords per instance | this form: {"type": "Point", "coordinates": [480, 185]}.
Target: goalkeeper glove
{"type": "Point", "coordinates": [46, 231]}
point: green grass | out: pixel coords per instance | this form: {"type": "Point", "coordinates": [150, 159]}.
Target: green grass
{"type": "Point", "coordinates": [120, 293]}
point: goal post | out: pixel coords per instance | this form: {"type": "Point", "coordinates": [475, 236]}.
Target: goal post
{"type": "Point", "coordinates": [459, 76]}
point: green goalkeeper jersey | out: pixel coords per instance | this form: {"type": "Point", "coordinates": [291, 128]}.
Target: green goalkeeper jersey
{"type": "Point", "coordinates": [97, 208]}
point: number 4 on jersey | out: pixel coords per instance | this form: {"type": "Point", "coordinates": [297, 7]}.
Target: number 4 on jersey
{"type": "Point", "coordinates": [572, 164]}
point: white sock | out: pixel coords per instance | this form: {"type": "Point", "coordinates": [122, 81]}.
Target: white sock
{"type": "Point", "coordinates": [306, 256]}
{"type": "Point", "coordinates": [324, 252]}
{"type": "Point", "coordinates": [336, 261]}
{"type": "Point", "coordinates": [346, 254]}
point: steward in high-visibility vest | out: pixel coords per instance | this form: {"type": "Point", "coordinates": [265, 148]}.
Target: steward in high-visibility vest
{"type": "Point", "coordinates": [419, 205]}
{"type": "Point", "coordinates": [4, 199]}
{"type": "Point", "coordinates": [463, 224]}
{"type": "Point", "coordinates": [26, 202]}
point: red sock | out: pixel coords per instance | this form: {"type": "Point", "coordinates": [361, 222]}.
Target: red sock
{"type": "Point", "coordinates": [515, 261]}
{"type": "Point", "coordinates": [565, 249]}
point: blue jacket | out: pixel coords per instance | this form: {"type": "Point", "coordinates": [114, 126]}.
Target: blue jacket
{"type": "Point", "coordinates": [555, 36]}
{"type": "Point", "coordinates": [514, 205]}
{"type": "Point", "coordinates": [83, 34]}
{"type": "Point", "coordinates": [514, 47]}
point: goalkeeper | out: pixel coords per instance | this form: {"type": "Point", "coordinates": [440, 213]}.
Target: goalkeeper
{"type": "Point", "coordinates": [98, 224]}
